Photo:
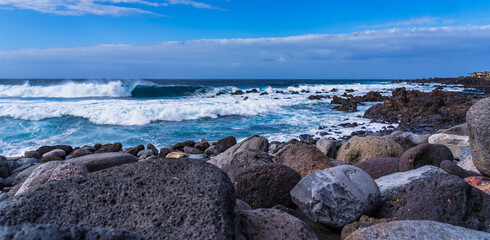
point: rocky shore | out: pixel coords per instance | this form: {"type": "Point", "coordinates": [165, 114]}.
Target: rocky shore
{"type": "Point", "coordinates": [427, 179]}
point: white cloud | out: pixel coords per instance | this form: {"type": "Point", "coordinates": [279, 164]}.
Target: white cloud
{"type": "Point", "coordinates": [374, 53]}
{"type": "Point", "coordinates": [96, 7]}
{"type": "Point", "coordinates": [412, 21]}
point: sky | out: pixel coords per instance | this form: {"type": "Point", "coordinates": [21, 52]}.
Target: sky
{"type": "Point", "coordinates": [383, 39]}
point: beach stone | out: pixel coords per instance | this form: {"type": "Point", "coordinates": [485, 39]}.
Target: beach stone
{"type": "Point", "coordinates": [116, 147]}
{"type": "Point", "coordinates": [478, 119]}
{"type": "Point", "coordinates": [159, 199]}
{"type": "Point", "coordinates": [453, 168]}
{"type": "Point", "coordinates": [99, 161]}
{"type": "Point", "coordinates": [81, 152]}
{"type": "Point", "coordinates": [265, 224]}
{"type": "Point", "coordinates": [21, 176]}
{"type": "Point", "coordinates": [44, 149]}
{"type": "Point", "coordinates": [327, 147]}
{"type": "Point", "coordinates": [460, 130]}
{"type": "Point", "coordinates": [358, 149]}
{"type": "Point", "coordinates": [51, 158]}
{"type": "Point", "coordinates": [135, 150]}
{"type": "Point", "coordinates": [145, 152]}
{"type": "Point", "coordinates": [97, 146]}
{"type": "Point", "coordinates": [52, 232]}
{"type": "Point", "coordinates": [241, 205]}
{"type": "Point", "coordinates": [264, 185]}
{"type": "Point", "coordinates": [253, 142]}
{"type": "Point", "coordinates": [336, 196]}
{"type": "Point", "coordinates": [390, 185]}
{"type": "Point", "coordinates": [468, 165]}
{"type": "Point", "coordinates": [246, 157]}
{"type": "Point", "coordinates": [363, 222]}
{"type": "Point", "coordinates": [408, 139]}
{"type": "Point", "coordinates": [176, 155]}
{"type": "Point", "coordinates": [202, 145]}
{"type": "Point", "coordinates": [454, 142]}
{"type": "Point", "coordinates": [482, 183]}
{"type": "Point", "coordinates": [303, 158]}
{"type": "Point", "coordinates": [210, 150]}
{"type": "Point", "coordinates": [192, 150]}
{"type": "Point", "coordinates": [380, 166]}
{"type": "Point", "coordinates": [38, 177]}
{"type": "Point", "coordinates": [181, 145]}
{"type": "Point", "coordinates": [443, 198]}
{"type": "Point", "coordinates": [153, 148]}
{"type": "Point", "coordinates": [32, 154]}
{"type": "Point", "coordinates": [424, 154]}
{"type": "Point", "coordinates": [3, 196]}
{"type": "Point", "coordinates": [27, 161]}
{"type": "Point", "coordinates": [164, 152]}
{"type": "Point", "coordinates": [6, 167]}
{"type": "Point", "coordinates": [66, 170]}
{"type": "Point", "coordinates": [464, 153]}
{"type": "Point", "coordinates": [55, 153]}
{"type": "Point", "coordinates": [416, 229]}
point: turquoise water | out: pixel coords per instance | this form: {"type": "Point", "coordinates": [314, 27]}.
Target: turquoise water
{"type": "Point", "coordinates": [162, 112]}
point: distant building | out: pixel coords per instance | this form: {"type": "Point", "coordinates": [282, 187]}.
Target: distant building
{"type": "Point", "coordinates": [480, 74]}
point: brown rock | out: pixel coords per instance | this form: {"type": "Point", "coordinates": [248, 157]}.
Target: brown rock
{"type": "Point", "coordinates": [303, 158]}
{"type": "Point", "coordinates": [66, 170]}
{"type": "Point", "coordinates": [116, 147]}
{"type": "Point", "coordinates": [81, 152]}
{"type": "Point", "coordinates": [380, 166]}
{"type": "Point", "coordinates": [424, 154]}
{"type": "Point", "coordinates": [359, 149]}
{"type": "Point", "coordinates": [482, 183]}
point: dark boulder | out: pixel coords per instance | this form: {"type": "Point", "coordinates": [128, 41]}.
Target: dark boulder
{"type": "Point", "coordinates": [44, 149]}
{"type": "Point", "coordinates": [380, 166]}
{"type": "Point", "coordinates": [424, 154]}
{"type": "Point", "coordinates": [99, 161]}
{"type": "Point", "coordinates": [116, 147]}
{"type": "Point", "coordinates": [135, 150]}
{"type": "Point", "coordinates": [303, 158]}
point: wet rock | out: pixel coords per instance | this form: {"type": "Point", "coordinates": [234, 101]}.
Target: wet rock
{"type": "Point", "coordinates": [327, 147]}
{"type": "Point", "coordinates": [482, 183]}
{"type": "Point", "coordinates": [413, 229]}
{"type": "Point", "coordinates": [336, 196]}
{"type": "Point", "coordinates": [478, 119]}
{"type": "Point", "coordinates": [424, 154]}
{"type": "Point", "coordinates": [81, 152]}
{"type": "Point", "coordinates": [264, 224]}
{"type": "Point", "coordinates": [159, 199]}
{"type": "Point", "coordinates": [443, 198]}
{"type": "Point", "coordinates": [358, 149]}
{"type": "Point", "coordinates": [135, 150]}
{"type": "Point", "coordinates": [52, 232]}
{"type": "Point", "coordinates": [38, 177]}
{"type": "Point", "coordinates": [390, 185]}
{"type": "Point", "coordinates": [348, 105]}
{"type": "Point", "coordinates": [303, 158]}
{"type": "Point", "coordinates": [176, 155]}
{"type": "Point", "coordinates": [454, 142]}
{"type": "Point", "coordinates": [66, 170]}
{"type": "Point", "coordinates": [116, 147]}
{"type": "Point", "coordinates": [99, 161]}
{"type": "Point", "coordinates": [372, 96]}
{"type": "Point", "coordinates": [265, 185]}
{"type": "Point", "coordinates": [363, 222]}
{"type": "Point", "coordinates": [379, 167]}
{"type": "Point", "coordinates": [237, 92]}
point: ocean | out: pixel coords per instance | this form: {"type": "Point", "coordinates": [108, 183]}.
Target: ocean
{"type": "Point", "coordinates": [82, 112]}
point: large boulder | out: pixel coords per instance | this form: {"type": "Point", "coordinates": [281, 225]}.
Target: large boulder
{"type": "Point", "coordinates": [478, 119]}
{"type": "Point", "coordinates": [380, 166]}
{"type": "Point", "coordinates": [358, 149]}
{"type": "Point", "coordinates": [99, 161]}
{"type": "Point", "coordinates": [223, 145]}
{"type": "Point", "coordinates": [327, 147]}
{"type": "Point", "coordinates": [443, 198]}
{"type": "Point", "coordinates": [253, 142]}
{"type": "Point", "coordinates": [52, 232]}
{"type": "Point", "coordinates": [424, 154]}
{"type": "Point", "coordinates": [66, 170]}
{"type": "Point", "coordinates": [454, 142]}
{"type": "Point", "coordinates": [391, 184]}
{"type": "Point", "coordinates": [159, 199]}
{"type": "Point", "coordinates": [336, 196]}
{"type": "Point", "coordinates": [265, 224]}
{"type": "Point", "coordinates": [56, 152]}
{"type": "Point", "coordinates": [39, 176]}
{"type": "Point", "coordinates": [303, 158]}
{"type": "Point", "coordinates": [408, 139]}
{"type": "Point", "coordinates": [7, 166]}
{"type": "Point", "coordinates": [409, 230]}
{"type": "Point", "coordinates": [265, 185]}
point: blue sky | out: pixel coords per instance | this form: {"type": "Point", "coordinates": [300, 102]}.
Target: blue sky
{"type": "Point", "coordinates": [243, 39]}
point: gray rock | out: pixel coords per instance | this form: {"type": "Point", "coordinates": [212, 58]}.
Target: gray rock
{"type": "Point", "coordinates": [467, 164]}
{"type": "Point", "coordinates": [147, 152]}
{"type": "Point", "coordinates": [336, 196]}
{"type": "Point", "coordinates": [7, 166]}
{"type": "Point", "coordinates": [32, 154]}
{"type": "Point", "coordinates": [464, 153]}
{"type": "Point", "coordinates": [164, 152]}
{"type": "Point", "coordinates": [453, 168]}
{"type": "Point", "coordinates": [2, 183]}
{"type": "Point", "coordinates": [241, 205]}
{"type": "Point", "coordinates": [210, 150]}
{"type": "Point", "coordinates": [66, 170]}
{"type": "Point", "coordinates": [478, 119]}
{"type": "Point", "coordinates": [327, 147]}
{"type": "Point", "coordinates": [153, 148]}
{"type": "Point", "coordinates": [201, 157]}
{"type": "Point", "coordinates": [192, 150]}
{"type": "Point", "coordinates": [99, 161]}
{"type": "Point", "coordinates": [81, 152]}
{"type": "Point", "coordinates": [454, 142]}
{"type": "Point", "coordinates": [417, 229]}
{"type": "Point", "coordinates": [51, 158]}
{"type": "Point", "coordinates": [44, 149]}
{"type": "Point", "coordinates": [265, 224]}
{"type": "Point", "coordinates": [159, 199]}
{"type": "Point", "coordinates": [408, 139]}
{"type": "Point", "coordinates": [38, 177]}
{"type": "Point", "coordinates": [253, 142]}
{"type": "Point", "coordinates": [3, 196]}
{"type": "Point", "coordinates": [56, 152]}
{"type": "Point", "coordinates": [135, 150]}
{"type": "Point", "coordinates": [461, 130]}
{"type": "Point", "coordinates": [246, 157]}
{"type": "Point", "coordinates": [21, 176]}
{"type": "Point", "coordinates": [391, 184]}
{"type": "Point", "coordinates": [52, 232]}
{"type": "Point", "coordinates": [27, 161]}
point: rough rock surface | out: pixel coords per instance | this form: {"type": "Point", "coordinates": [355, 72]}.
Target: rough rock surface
{"type": "Point", "coordinates": [460, 130]}
{"type": "Point", "coordinates": [265, 185]}
{"type": "Point", "coordinates": [135, 150]}
{"type": "Point", "coordinates": [454, 142]}
{"type": "Point", "coordinates": [303, 158]}
{"type": "Point", "coordinates": [443, 198]}
{"type": "Point", "coordinates": [336, 196]}
{"type": "Point", "coordinates": [52, 232]}
{"type": "Point", "coordinates": [478, 119]}
{"type": "Point", "coordinates": [358, 149]}
{"type": "Point", "coordinates": [116, 147]}
{"type": "Point", "coordinates": [38, 177]}
{"type": "Point", "coordinates": [223, 144]}
{"type": "Point", "coordinates": [66, 170]}
{"type": "Point", "coordinates": [468, 165]}
{"type": "Point", "coordinates": [380, 166]}
{"type": "Point", "coordinates": [265, 224]}
{"type": "Point", "coordinates": [409, 230]}
{"type": "Point", "coordinates": [99, 161]}
{"type": "Point", "coordinates": [482, 183]}
{"type": "Point", "coordinates": [81, 152]}
{"type": "Point", "coordinates": [44, 149]}
{"type": "Point", "coordinates": [246, 157]}
{"type": "Point", "coordinates": [453, 168]}
{"type": "Point", "coordinates": [424, 154]}
{"type": "Point", "coordinates": [327, 147]}
{"type": "Point", "coordinates": [253, 142]}
{"type": "Point", "coordinates": [392, 184]}
{"type": "Point", "coordinates": [408, 139]}
{"type": "Point", "coordinates": [363, 222]}
{"type": "Point", "coordinates": [6, 167]}
{"type": "Point", "coordinates": [159, 199]}
{"type": "Point", "coordinates": [56, 152]}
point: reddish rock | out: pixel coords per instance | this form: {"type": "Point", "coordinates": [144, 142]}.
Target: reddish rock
{"type": "Point", "coordinates": [424, 154]}
{"type": "Point", "coordinates": [303, 158]}
{"type": "Point", "coordinates": [380, 166]}
{"type": "Point", "coordinates": [482, 183]}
